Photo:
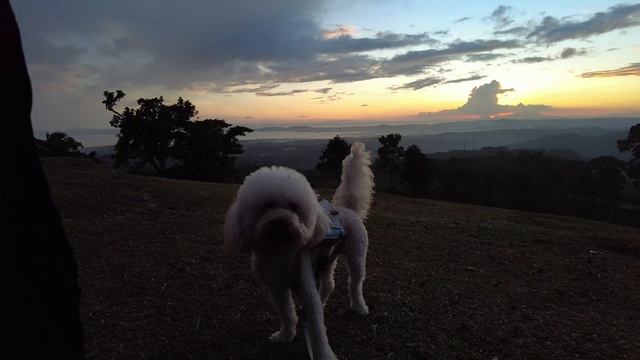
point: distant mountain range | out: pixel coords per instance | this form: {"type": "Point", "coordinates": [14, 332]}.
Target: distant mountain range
{"type": "Point", "coordinates": [300, 146]}
{"type": "Point", "coordinates": [101, 137]}
{"type": "Point", "coordinates": [460, 126]}
{"type": "Point", "coordinates": [574, 143]}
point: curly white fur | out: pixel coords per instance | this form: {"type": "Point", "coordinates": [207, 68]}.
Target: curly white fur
{"type": "Point", "coordinates": [277, 218]}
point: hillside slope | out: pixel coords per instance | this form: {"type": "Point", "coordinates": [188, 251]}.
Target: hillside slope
{"type": "Point", "coordinates": [445, 280]}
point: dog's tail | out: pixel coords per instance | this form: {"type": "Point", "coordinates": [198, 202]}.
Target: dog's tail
{"type": "Point", "coordinates": [355, 191]}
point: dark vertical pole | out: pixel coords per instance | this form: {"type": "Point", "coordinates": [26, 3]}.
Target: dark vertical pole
{"type": "Point", "coordinates": [40, 291]}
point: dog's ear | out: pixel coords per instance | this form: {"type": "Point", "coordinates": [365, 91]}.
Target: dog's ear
{"type": "Point", "coordinates": [235, 241]}
{"type": "Point", "coordinates": [322, 227]}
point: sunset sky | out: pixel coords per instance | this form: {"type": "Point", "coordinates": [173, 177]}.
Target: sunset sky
{"type": "Point", "coordinates": [293, 61]}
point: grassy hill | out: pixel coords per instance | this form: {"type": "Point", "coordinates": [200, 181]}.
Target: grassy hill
{"type": "Point", "coordinates": [444, 281]}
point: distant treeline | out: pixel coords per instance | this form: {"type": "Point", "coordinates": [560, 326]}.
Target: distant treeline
{"type": "Point", "coordinates": [514, 179]}
{"type": "Point", "coordinates": [534, 181]}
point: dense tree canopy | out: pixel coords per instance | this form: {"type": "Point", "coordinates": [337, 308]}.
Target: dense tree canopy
{"type": "Point", "coordinates": [205, 149]}
{"type": "Point", "coordinates": [330, 162]}
{"type": "Point", "coordinates": [417, 170]}
{"type": "Point", "coordinates": [167, 137]}
{"type": "Point", "coordinates": [390, 154]}
{"type": "Point", "coordinates": [58, 144]}
{"type": "Point", "coordinates": [148, 133]}
{"type": "Point", "coordinates": [608, 176]}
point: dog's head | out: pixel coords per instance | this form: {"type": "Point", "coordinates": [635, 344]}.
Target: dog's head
{"type": "Point", "coordinates": [275, 210]}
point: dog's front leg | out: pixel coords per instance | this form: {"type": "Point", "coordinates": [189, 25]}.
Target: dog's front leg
{"type": "Point", "coordinates": [288, 318]}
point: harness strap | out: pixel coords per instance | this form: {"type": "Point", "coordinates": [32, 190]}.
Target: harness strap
{"type": "Point", "coordinates": [325, 249]}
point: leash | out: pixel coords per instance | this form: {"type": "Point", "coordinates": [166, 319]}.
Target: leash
{"type": "Point", "coordinates": [323, 252]}
{"type": "Point", "coordinates": [314, 262]}
{"type": "Point", "coordinates": [313, 321]}
{"type": "Point", "coordinates": [307, 336]}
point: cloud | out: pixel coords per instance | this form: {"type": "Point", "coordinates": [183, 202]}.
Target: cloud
{"type": "Point", "coordinates": [516, 30]}
{"type": "Point", "coordinates": [43, 51]}
{"type": "Point", "coordinates": [339, 30]}
{"type": "Point", "coordinates": [326, 99]}
{"type": "Point", "coordinates": [631, 70]}
{"type": "Point", "coordinates": [118, 47]}
{"type": "Point", "coordinates": [433, 81]}
{"type": "Point", "coordinates": [245, 89]}
{"type": "Point", "coordinates": [337, 69]}
{"type": "Point", "coordinates": [469, 78]}
{"type": "Point", "coordinates": [462, 19]}
{"type": "Point", "coordinates": [414, 62]}
{"type": "Point", "coordinates": [552, 29]}
{"type": "Point", "coordinates": [572, 52]}
{"type": "Point", "coordinates": [420, 83]}
{"type": "Point", "coordinates": [483, 57]}
{"type": "Point", "coordinates": [483, 104]}
{"type": "Point", "coordinates": [364, 105]}
{"type": "Point", "coordinates": [566, 53]}
{"type": "Point", "coordinates": [455, 48]}
{"type": "Point", "coordinates": [484, 99]}
{"type": "Point", "coordinates": [282, 93]}
{"type": "Point", "coordinates": [533, 59]}
{"type": "Point", "coordinates": [382, 40]}
{"type": "Point", "coordinates": [323, 90]}
{"type": "Point", "coordinates": [500, 17]}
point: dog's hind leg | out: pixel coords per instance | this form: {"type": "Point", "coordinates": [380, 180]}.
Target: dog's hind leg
{"type": "Point", "coordinates": [356, 261]}
{"type": "Point", "coordinates": [327, 284]}
{"type": "Point", "coordinates": [288, 318]}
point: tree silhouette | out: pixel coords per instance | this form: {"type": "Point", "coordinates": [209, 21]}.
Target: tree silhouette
{"type": "Point", "coordinates": [330, 162]}
{"type": "Point", "coordinates": [390, 154]}
{"type": "Point", "coordinates": [206, 149]}
{"type": "Point", "coordinates": [417, 170]}
{"type": "Point", "coordinates": [58, 144]}
{"type": "Point", "coordinates": [159, 134]}
{"type": "Point", "coordinates": [632, 143]}
{"type": "Point", "coordinates": [609, 177]}
{"type": "Point", "coordinates": [148, 133]}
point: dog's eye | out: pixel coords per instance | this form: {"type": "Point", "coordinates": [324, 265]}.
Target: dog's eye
{"type": "Point", "coordinates": [270, 204]}
{"type": "Point", "coordinates": [293, 206]}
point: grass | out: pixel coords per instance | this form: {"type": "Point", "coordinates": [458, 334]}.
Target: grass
{"type": "Point", "coordinates": [444, 280]}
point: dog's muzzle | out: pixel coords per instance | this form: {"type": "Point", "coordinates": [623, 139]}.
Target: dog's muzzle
{"type": "Point", "coordinates": [279, 232]}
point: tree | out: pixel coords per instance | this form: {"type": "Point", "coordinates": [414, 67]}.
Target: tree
{"type": "Point", "coordinates": [206, 149]}
{"type": "Point", "coordinates": [609, 176]}
{"type": "Point", "coordinates": [390, 154]}
{"type": "Point", "coordinates": [58, 144]}
{"type": "Point", "coordinates": [148, 133]}
{"type": "Point", "coordinates": [159, 134]}
{"type": "Point", "coordinates": [417, 170]}
{"type": "Point", "coordinates": [632, 143]}
{"type": "Point", "coordinates": [330, 162]}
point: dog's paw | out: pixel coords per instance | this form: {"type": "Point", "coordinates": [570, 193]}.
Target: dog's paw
{"type": "Point", "coordinates": [360, 309]}
{"type": "Point", "coordinates": [282, 336]}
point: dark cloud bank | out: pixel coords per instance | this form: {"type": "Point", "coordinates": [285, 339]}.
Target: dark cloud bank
{"type": "Point", "coordinates": [77, 48]}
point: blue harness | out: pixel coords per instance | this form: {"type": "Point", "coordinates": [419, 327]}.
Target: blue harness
{"type": "Point", "coordinates": [336, 230]}
{"type": "Point", "coordinates": [325, 249]}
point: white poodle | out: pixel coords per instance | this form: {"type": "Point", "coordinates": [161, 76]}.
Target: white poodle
{"type": "Point", "coordinates": [277, 218]}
